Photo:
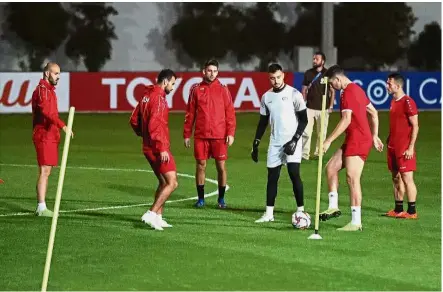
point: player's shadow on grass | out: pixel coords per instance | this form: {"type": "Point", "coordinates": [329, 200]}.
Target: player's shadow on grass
{"type": "Point", "coordinates": [216, 222]}
{"type": "Point", "coordinates": [212, 205]}
{"type": "Point", "coordinates": [50, 201]}
{"type": "Point", "coordinates": [12, 207]}
{"type": "Point", "coordinates": [107, 216]}
{"type": "Point", "coordinates": [20, 198]}
{"type": "Point", "coordinates": [253, 213]}
{"type": "Point", "coordinates": [146, 191]}
{"type": "Point", "coordinates": [135, 219]}
{"type": "Point", "coordinates": [250, 210]}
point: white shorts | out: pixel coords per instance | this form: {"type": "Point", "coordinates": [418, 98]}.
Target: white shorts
{"type": "Point", "coordinates": [277, 157]}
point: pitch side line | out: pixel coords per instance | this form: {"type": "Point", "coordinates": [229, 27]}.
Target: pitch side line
{"type": "Point", "coordinates": [112, 207]}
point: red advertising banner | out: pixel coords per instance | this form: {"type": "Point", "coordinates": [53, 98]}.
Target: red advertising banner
{"type": "Point", "coordinates": [120, 91]}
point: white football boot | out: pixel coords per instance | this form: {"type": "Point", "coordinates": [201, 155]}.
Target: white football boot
{"type": "Point", "coordinates": [151, 219]}
{"type": "Point", "coordinates": [162, 222]}
{"type": "Point", "coordinates": [265, 218]}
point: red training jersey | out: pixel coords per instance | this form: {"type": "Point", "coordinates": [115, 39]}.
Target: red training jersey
{"type": "Point", "coordinates": [45, 120]}
{"type": "Point", "coordinates": [210, 107]}
{"type": "Point", "coordinates": [150, 120]}
{"type": "Point", "coordinates": [400, 129]}
{"type": "Point", "coordinates": [354, 99]}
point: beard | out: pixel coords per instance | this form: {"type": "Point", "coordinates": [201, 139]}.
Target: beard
{"type": "Point", "coordinates": [52, 81]}
{"type": "Point", "coordinates": [208, 80]}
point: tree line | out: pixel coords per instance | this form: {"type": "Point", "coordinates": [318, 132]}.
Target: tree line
{"type": "Point", "coordinates": [378, 33]}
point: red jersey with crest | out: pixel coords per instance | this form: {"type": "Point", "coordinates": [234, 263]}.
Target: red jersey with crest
{"type": "Point", "coordinates": [354, 99]}
{"type": "Point", "coordinates": [400, 129]}
{"type": "Point", "coordinates": [45, 120]}
{"type": "Point", "coordinates": [150, 120]}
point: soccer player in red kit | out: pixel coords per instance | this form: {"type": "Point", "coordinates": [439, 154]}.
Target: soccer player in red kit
{"type": "Point", "coordinates": [46, 135]}
{"type": "Point", "coordinates": [354, 107]}
{"type": "Point", "coordinates": [149, 120]}
{"type": "Point", "coordinates": [211, 110]}
{"type": "Point", "coordinates": [403, 131]}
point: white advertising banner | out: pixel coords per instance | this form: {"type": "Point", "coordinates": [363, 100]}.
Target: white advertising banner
{"type": "Point", "coordinates": [16, 92]}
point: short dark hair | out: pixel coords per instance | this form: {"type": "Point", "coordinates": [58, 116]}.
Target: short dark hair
{"type": "Point", "coordinates": [274, 67]}
{"type": "Point", "coordinates": [334, 71]}
{"type": "Point", "coordinates": [323, 56]}
{"type": "Point", "coordinates": [165, 74]}
{"type": "Point", "coordinates": [211, 62]}
{"type": "Point", "coordinates": [399, 79]}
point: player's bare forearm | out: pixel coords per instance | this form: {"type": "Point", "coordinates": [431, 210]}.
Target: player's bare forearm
{"type": "Point", "coordinates": [414, 135]}
{"type": "Point", "coordinates": [374, 125]}
{"type": "Point", "coordinates": [332, 94]}
{"type": "Point", "coordinates": [342, 125]}
{"type": "Point", "coordinates": [303, 91]}
{"type": "Point", "coordinates": [414, 122]}
{"type": "Point", "coordinates": [373, 120]}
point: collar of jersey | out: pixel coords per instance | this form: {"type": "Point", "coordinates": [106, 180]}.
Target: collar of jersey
{"type": "Point", "coordinates": [155, 89]}
{"type": "Point", "coordinates": [213, 83]}
{"type": "Point", "coordinates": [46, 84]}
{"type": "Point", "coordinates": [279, 90]}
{"type": "Point", "coordinates": [400, 97]}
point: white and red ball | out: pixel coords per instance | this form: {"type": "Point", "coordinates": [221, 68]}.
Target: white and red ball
{"type": "Point", "coordinates": [301, 220]}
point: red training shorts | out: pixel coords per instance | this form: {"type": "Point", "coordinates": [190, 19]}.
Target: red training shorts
{"type": "Point", "coordinates": [351, 148]}
{"type": "Point", "coordinates": [207, 148]}
{"type": "Point", "coordinates": [157, 165]}
{"type": "Point", "coordinates": [398, 163]}
{"type": "Point", "coordinates": [47, 153]}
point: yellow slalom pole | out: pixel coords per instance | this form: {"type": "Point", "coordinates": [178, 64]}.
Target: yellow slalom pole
{"type": "Point", "coordinates": [58, 198]}
{"type": "Point", "coordinates": [316, 235]}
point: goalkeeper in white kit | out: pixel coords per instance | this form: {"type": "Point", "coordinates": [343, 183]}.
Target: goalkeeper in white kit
{"type": "Point", "coordinates": [284, 108]}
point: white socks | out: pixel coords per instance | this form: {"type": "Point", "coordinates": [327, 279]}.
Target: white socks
{"type": "Point", "coordinates": [356, 215]}
{"type": "Point", "coordinates": [270, 211]}
{"type": "Point", "coordinates": [333, 200]}
{"type": "Point", "coordinates": [301, 209]}
{"type": "Point", "coordinates": [41, 207]}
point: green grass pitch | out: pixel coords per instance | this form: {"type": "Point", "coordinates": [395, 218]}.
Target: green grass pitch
{"type": "Point", "coordinates": [102, 248]}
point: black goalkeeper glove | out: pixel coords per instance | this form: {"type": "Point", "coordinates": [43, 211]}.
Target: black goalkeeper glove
{"type": "Point", "coordinates": [289, 148]}
{"type": "Point", "coordinates": [254, 153]}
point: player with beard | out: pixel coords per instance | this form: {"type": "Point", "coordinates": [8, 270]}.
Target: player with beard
{"type": "Point", "coordinates": [210, 109]}
{"type": "Point", "coordinates": [149, 120]}
{"type": "Point", "coordinates": [46, 133]}
{"type": "Point", "coordinates": [283, 107]}
{"type": "Point", "coordinates": [313, 91]}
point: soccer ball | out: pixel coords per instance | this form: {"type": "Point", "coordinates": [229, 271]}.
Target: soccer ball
{"type": "Point", "coordinates": [301, 220]}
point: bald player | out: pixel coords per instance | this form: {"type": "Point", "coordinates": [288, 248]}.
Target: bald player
{"type": "Point", "coordinates": [46, 131]}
